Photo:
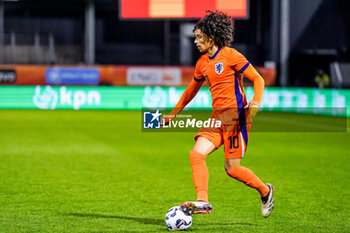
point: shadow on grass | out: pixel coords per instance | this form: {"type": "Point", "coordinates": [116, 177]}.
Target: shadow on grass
{"type": "Point", "coordinates": [230, 224]}
{"type": "Point", "coordinates": [219, 227]}
{"type": "Point", "coordinates": [150, 221]}
{"type": "Point", "coordinates": [160, 222]}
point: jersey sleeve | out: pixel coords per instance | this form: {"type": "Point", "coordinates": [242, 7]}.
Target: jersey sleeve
{"type": "Point", "coordinates": [186, 97]}
{"type": "Point", "coordinates": [238, 61]}
{"type": "Point", "coordinates": [258, 83]}
{"type": "Point", "coordinates": [243, 66]}
{"type": "Point", "coordinates": [198, 75]}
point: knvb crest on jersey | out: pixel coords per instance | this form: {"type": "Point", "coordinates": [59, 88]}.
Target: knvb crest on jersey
{"type": "Point", "coordinates": [219, 67]}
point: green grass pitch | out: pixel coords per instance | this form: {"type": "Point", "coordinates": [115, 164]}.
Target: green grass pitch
{"type": "Point", "coordinates": [95, 171]}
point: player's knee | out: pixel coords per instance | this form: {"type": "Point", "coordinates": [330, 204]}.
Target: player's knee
{"type": "Point", "coordinates": [204, 146]}
{"type": "Point", "coordinates": [196, 157]}
{"type": "Point", "coordinates": [231, 164]}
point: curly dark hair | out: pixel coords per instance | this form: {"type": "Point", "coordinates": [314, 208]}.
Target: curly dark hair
{"type": "Point", "coordinates": [219, 25]}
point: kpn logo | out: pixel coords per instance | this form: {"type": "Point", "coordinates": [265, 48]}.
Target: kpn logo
{"type": "Point", "coordinates": [63, 98]}
{"type": "Point", "coordinates": [151, 120]}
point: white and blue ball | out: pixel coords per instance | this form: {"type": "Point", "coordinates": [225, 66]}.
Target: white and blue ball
{"type": "Point", "coordinates": [176, 220]}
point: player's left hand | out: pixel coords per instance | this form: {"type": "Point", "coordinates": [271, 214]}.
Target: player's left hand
{"type": "Point", "coordinates": [253, 108]}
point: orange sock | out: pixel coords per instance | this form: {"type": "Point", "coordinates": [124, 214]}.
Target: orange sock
{"type": "Point", "coordinates": [246, 176]}
{"type": "Point", "coordinates": [200, 175]}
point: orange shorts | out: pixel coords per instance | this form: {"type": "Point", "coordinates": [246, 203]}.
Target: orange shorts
{"type": "Point", "coordinates": [234, 137]}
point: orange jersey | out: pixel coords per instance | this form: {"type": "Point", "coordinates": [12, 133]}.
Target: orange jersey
{"type": "Point", "coordinates": [221, 71]}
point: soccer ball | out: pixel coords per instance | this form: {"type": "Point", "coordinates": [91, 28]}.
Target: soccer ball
{"type": "Point", "coordinates": [176, 220]}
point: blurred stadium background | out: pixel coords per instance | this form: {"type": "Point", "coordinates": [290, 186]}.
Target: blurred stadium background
{"type": "Point", "coordinates": [96, 171]}
{"type": "Point", "coordinates": [150, 43]}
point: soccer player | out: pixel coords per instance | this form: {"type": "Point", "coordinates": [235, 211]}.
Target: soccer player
{"type": "Point", "coordinates": [221, 66]}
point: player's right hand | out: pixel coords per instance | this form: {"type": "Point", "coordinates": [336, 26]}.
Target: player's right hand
{"type": "Point", "coordinates": [165, 120]}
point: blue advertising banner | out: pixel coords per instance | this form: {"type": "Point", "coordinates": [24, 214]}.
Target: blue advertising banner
{"type": "Point", "coordinates": [72, 76]}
